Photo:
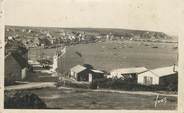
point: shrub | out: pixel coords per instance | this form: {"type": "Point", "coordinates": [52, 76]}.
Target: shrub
{"type": "Point", "coordinates": [23, 100]}
{"type": "Point", "coordinates": [72, 84]}
{"type": "Point", "coordinates": [119, 84]}
{"type": "Point", "coordinates": [127, 85]}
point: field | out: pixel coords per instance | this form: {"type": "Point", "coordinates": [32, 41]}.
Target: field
{"type": "Point", "coordinates": [81, 99]}
{"type": "Point", "coordinates": [111, 55]}
{"type": "Point", "coordinates": [108, 56]}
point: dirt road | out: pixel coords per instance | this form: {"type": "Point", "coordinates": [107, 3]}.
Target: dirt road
{"type": "Point", "coordinates": [31, 85]}
{"type": "Point", "coordinates": [38, 85]}
{"type": "Point", "coordinates": [147, 93]}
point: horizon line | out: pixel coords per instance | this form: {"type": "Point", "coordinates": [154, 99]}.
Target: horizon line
{"type": "Point", "coordinates": [90, 28]}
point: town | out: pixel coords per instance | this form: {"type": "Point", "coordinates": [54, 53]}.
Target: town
{"type": "Point", "coordinates": [86, 60]}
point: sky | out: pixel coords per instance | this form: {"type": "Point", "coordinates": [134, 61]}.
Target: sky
{"type": "Point", "coordinates": [156, 15]}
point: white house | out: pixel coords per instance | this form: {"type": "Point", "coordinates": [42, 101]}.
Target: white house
{"type": "Point", "coordinates": [57, 58]}
{"type": "Point", "coordinates": [159, 76]}
{"type": "Point", "coordinates": [120, 73]}
{"type": "Point", "coordinates": [55, 63]}
{"type": "Point", "coordinates": [80, 73]}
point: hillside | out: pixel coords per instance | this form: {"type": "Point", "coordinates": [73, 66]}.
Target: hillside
{"type": "Point", "coordinates": [142, 34]}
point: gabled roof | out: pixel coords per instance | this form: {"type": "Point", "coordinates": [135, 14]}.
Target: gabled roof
{"type": "Point", "coordinates": [130, 70]}
{"type": "Point", "coordinates": [164, 71]}
{"type": "Point", "coordinates": [14, 45]}
{"type": "Point", "coordinates": [21, 61]}
{"type": "Point", "coordinates": [78, 68]}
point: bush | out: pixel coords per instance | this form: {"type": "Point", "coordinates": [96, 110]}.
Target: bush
{"type": "Point", "coordinates": [93, 85]}
{"type": "Point", "coordinates": [127, 85]}
{"type": "Point", "coordinates": [72, 84]}
{"type": "Point", "coordinates": [118, 84]}
{"type": "Point", "coordinates": [23, 100]}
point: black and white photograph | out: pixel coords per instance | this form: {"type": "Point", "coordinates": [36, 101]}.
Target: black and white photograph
{"type": "Point", "coordinates": [90, 55]}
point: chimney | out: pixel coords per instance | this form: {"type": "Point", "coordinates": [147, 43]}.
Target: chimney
{"type": "Point", "coordinates": [174, 68]}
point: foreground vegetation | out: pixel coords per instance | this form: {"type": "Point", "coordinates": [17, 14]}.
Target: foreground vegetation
{"type": "Point", "coordinates": [89, 99]}
{"type": "Point", "coordinates": [22, 100]}
{"type": "Point", "coordinates": [117, 84]}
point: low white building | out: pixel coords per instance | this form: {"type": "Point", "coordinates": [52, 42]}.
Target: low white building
{"type": "Point", "coordinates": [58, 58]}
{"type": "Point", "coordinates": [159, 76]}
{"type": "Point", "coordinates": [123, 72]}
{"type": "Point", "coordinates": [82, 73]}
{"type": "Point", "coordinates": [79, 73]}
{"type": "Point", "coordinates": [55, 63]}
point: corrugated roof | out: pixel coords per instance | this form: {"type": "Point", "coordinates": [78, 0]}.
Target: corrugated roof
{"type": "Point", "coordinates": [129, 70]}
{"type": "Point", "coordinates": [164, 71]}
{"type": "Point", "coordinates": [96, 71]}
{"type": "Point", "coordinates": [111, 76]}
{"type": "Point", "coordinates": [78, 68]}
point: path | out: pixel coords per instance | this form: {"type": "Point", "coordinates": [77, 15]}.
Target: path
{"type": "Point", "coordinates": [37, 85]}
{"type": "Point", "coordinates": [147, 93]}
{"type": "Point", "coordinates": [32, 85]}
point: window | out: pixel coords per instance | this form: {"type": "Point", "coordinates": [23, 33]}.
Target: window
{"type": "Point", "coordinates": [148, 80]}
